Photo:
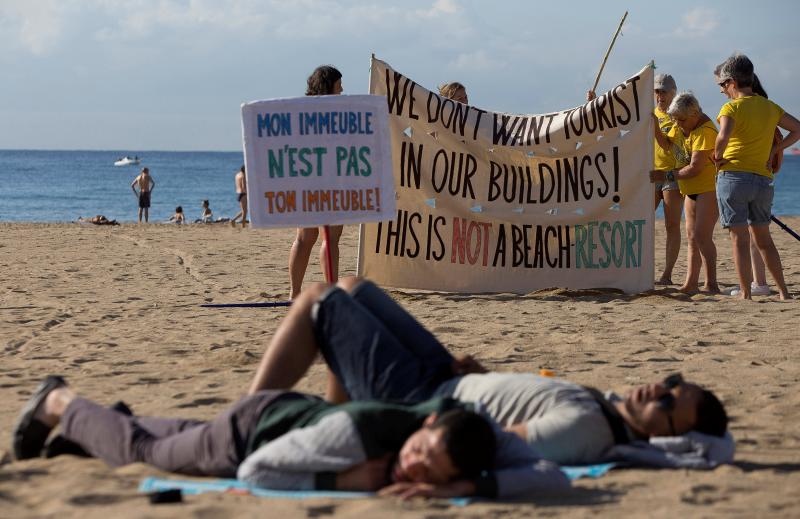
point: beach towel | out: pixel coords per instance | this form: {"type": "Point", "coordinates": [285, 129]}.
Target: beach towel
{"type": "Point", "coordinates": [234, 486]}
{"type": "Point", "coordinates": [692, 450]}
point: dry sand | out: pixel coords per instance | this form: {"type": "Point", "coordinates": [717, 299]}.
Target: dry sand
{"type": "Point", "coordinates": [115, 310]}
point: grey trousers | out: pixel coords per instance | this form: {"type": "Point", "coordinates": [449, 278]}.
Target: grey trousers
{"type": "Point", "coordinates": [212, 448]}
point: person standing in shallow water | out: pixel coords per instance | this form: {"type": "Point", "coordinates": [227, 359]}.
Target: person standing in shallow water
{"type": "Point", "coordinates": [146, 185]}
{"type": "Point", "coordinates": [325, 80]}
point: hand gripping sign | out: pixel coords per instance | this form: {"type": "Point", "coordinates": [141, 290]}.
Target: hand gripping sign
{"type": "Point", "coordinates": [319, 160]}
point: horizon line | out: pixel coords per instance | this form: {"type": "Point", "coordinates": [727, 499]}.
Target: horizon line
{"type": "Point", "coordinates": [120, 149]}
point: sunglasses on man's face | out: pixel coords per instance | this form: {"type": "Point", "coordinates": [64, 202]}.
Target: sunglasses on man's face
{"type": "Point", "coordinates": [723, 84]}
{"type": "Point", "coordinates": [666, 402]}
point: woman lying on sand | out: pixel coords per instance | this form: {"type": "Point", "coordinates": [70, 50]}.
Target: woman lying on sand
{"type": "Point", "coordinates": [97, 220]}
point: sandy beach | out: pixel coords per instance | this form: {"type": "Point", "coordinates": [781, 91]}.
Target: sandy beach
{"type": "Point", "coordinates": [115, 310]}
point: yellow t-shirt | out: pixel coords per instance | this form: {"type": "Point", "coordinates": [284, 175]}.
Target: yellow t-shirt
{"type": "Point", "coordinates": [701, 138]}
{"type": "Point", "coordinates": [755, 119]}
{"type": "Point", "coordinates": [675, 158]}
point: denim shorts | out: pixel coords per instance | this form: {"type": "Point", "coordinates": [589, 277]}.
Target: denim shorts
{"type": "Point", "coordinates": [667, 185]}
{"type": "Point", "coordinates": [744, 198]}
{"type": "Point", "coordinates": [376, 349]}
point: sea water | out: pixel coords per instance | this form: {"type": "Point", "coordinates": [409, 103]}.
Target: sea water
{"type": "Point", "coordinates": [60, 186]}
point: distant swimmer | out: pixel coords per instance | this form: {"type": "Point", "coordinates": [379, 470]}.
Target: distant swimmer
{"type": "Point", "coordinates": [146, 185]}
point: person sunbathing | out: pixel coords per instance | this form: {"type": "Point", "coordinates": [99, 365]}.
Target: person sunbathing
{"type": "Point", "coordinates": [376, 350]}
{"type": "Point", "coordinates": [98, 220]}
{"type": "Point", "coordinates": [291, 441]}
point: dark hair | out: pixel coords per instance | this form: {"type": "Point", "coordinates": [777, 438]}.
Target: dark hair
{"type": "Point", "coordinates": [242, 168]}
{"type": "Point", "coordinates": [321, 81]}
{"type": "Point", "coordinates": [205, 202]}
{"type": "Point", "coordinates": [758, 88]}
{"type": "Point", "coordinates": [711, 416]}
{"type": "Point", "coordinates": [179, 209]}
{"type": "Point", "coordinates": [469, 440]}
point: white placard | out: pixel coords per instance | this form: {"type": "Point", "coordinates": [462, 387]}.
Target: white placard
{"type": "Point", "coordinates": [318, 160]}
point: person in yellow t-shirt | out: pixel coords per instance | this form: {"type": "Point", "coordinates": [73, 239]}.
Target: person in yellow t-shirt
{"type": "Point", "coordinates": [743, 153]}
{"type": "Point", "coordinates": [696, 182]}
{"type": "Point", "coordinates": [668, 156]}
{"type": "Point", "coordinates": [759, 286]}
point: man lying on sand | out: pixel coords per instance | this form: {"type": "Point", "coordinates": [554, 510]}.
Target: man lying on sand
{"type": "Point", "coordinates": [292, 441]}
{"type": "Point", "coordinates": [376, 350]}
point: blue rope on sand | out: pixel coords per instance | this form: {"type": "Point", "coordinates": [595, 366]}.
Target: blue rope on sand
{"type": "Point", "coordinates": [247, 305]}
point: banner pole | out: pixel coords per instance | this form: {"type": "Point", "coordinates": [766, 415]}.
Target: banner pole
{"type": "Point", "coordinates": [326, 238]}
{"type": "Point", "coordinates": [602, 66]}
{"type": "Point", "coordinates": [785, 227]}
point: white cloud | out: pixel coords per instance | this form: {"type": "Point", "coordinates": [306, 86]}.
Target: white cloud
{"type": "Point", "coordinates": [39, 26]}
{"type": "Point", "coordinates": [440, 7]}
{"type": "Point", "coordinates": [35, 25]}
{"type": "Point", "coordinates": [477, 61]}
{"type": "Point", "coordinates": [698, 23]}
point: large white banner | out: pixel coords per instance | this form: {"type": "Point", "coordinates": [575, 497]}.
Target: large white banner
{"type": "Point", "coordinates": [317, 160]}
{"type": "Point", "coordinates": [495, 202]}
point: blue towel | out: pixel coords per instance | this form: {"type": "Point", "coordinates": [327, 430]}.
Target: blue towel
{"type": "Point", "coordinates": [190, 487]}
{"type": "Point", "coordinates": [587, 471]}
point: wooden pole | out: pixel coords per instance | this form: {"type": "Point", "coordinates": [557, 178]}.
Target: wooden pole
{"type": "Point", "coordinates": [599, 72]}
{"type": "Point", "coordinates": [326, 237]}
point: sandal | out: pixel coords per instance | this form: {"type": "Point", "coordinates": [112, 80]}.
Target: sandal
{"type": "Point", "coordinates": [30, 434]}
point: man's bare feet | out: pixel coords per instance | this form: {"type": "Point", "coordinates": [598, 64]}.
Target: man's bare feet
{"type": "Point", "coordinates": [664, 281]}
{"type": "Point", "coordinates": [689, 289]}
{"type": "Point", "coordinates": [784, 296]}
{"type": "Point", "coordinates": [711, 288]}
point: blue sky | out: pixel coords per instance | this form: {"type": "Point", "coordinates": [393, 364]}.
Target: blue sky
{"type": "Point", "coordinates": [172, 74]}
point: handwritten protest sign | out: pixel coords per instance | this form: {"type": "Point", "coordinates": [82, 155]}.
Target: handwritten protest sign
{"type": "Point", "coordinates": [491, 202]}
{"type": "Point", "coordinates": [317, 160]}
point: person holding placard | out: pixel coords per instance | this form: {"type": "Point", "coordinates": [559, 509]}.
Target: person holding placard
{"type": "Point", "coordinates": [743, 154]}
{"type": "Point", "coordinates": [325, 80]}
{"type": "Point", "coordinates": [668, 156]}
{"type": "Point", "coordinates": [696, 182]}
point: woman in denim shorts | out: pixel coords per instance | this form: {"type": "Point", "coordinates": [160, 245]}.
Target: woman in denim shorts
{"type": "Point", "coordinates": [669, 156]}
{"type": "Point", "coordinates": [743, 153]}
